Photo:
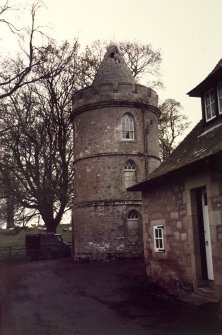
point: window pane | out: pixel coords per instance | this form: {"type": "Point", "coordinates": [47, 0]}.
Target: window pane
{"type": "Point", "coordinates": [220, 105]}
{"type": "Point", "coordinates": [210, 104]}
{"type": "Point", "coordinates": [207, 99]}
{"type": "Point", "coordinates": [219, 94]}
{"type": "Point", "coordinates": [156, 233]}
{"type": "Point", "coordinates": [130, 124]}
{"type": "Point", "coordinates": [212, 97]}
{"type": "Point", "coordinates": [220, 91]}
{"type": "Point", "coordinates": [157, 244]}
{"type": "Point", "coordinates": [127, 127]}
{"type": "Point", "coordinates": [133, 214]}
{"type": "Point", "coordinates": [213, 109]}
{"type": "Point", "coordinates": [130, 165]}
{"type": "Point", "coordinates": [158, 238]}
{"type": "Point", "coordinates": [131, 135]}
{"type": "Point", "coordinates": [208, 113]}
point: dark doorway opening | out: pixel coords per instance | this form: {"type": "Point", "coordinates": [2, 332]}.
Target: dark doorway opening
{"type": "Point", "coordinates": [200, 222]}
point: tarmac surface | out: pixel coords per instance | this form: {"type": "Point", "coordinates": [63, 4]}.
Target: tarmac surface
{"type": "Point", "coordinates": [60, 297]}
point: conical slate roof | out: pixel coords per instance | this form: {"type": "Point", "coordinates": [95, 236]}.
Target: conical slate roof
{"type": "Point", "coordinates": [113, 69]}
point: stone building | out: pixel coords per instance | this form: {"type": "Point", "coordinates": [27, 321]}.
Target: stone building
{"type": "Point", "coordinates": [115, 122]}
{"type": "Point", "coordinates": [182, 204]}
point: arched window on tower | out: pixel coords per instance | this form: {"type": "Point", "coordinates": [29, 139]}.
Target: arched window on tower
{"type": "Point", "coordinates": [127, 126]}
{"type": "Point", "coordinates": [129, 173]}
{"type": "Point", "coordinates": [133, 232]}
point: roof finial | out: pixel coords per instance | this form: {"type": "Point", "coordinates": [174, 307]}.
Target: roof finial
{"type": "Point", "coordinates": [113, 52]}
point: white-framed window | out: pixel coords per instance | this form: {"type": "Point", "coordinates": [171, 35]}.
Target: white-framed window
{"type": "Point", "coordinates": [129, 173]}
{"type": "Point", "coordinates": [210, 105]}
{"type": "Point", "coordinates": [133, 226]}
{"type": "Point", "coordinates": [158, 238]}
{"type": "Point", "coordinates": [219, 97]}
{"type": "Point", "coordinates": [127, 127]}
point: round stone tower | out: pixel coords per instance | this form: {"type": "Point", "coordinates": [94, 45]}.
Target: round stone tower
{"type": "Point", "coordinates": [115, 123]}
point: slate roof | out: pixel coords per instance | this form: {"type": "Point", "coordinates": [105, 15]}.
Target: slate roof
{"type": "Point", "coordinates": [214, 76]}
{"type": "Point", "coordinates": [217, 67]}
{"type": "Point", "coordinates": [113, 69]}
{"type": "Point", "coordinates": [200, 149]}
{"type": "Point", "coordinates": [203, 142]}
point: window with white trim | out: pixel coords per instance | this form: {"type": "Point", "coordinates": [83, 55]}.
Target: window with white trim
{"type": "Point", "coordinates": [133, 226]}
{"type": "Point", "coordinates": [158, 238]}
{"type": "Point", "coordinates": [129, 173]}
{"type": "Point", "coordinates": [219, 97]}
{"type": "Point", "coordinates": [210, 105]}
{"type": "Point", "coordinates": [127, 126]}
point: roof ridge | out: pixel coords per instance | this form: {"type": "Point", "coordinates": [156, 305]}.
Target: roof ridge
{"type": "Point", "coordinates": [218, 66]}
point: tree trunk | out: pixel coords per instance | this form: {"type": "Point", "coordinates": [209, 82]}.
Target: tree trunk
{"type": "Point", "coordinates": [51, 228]}
{"type": "Point", "coordinates": [10, 208]}
{"type": "Point", "coordinates": [51, 224]}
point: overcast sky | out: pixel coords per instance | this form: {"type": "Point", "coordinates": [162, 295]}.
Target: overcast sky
{"type": "Point", "coordinates": [188, 32]}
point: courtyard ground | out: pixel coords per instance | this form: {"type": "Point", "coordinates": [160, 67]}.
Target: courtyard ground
{"type": "Point", "coordinates": [59, 297]}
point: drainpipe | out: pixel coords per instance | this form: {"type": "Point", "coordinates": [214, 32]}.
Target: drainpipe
{"type": "Point", "coordinates": [145, 132]}
{"type": "Point", "coordinates": [73, 232]}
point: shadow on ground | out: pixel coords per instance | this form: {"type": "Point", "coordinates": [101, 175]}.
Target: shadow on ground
{"type": "Point", "coordinates": [62, 297]}
{"type": "Point", "coordinates": [124, 288]}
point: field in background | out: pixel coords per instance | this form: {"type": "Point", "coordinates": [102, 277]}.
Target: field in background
{"type": "Point", "coordinates": [7, 238]}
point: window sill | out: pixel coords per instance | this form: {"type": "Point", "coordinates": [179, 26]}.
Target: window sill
{"type": "Point", "coordinates": [208, 120]}
{"type": "Point", "coordinates": [127, 140]}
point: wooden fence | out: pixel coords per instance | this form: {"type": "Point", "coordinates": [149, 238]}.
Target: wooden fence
{"type": "Point", "coordinates": [16, 252]}
{"type": "Point", "coordinates": [12, 252]}
{"type": "Point", "coordinates": [19, 253]}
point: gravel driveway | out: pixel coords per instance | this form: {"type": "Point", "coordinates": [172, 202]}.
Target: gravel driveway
{"type": "Point", "coordinates": [59, 297]}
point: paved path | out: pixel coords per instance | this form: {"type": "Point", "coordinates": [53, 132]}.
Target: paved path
{"type": "Point", "coordinates": [58, 297]}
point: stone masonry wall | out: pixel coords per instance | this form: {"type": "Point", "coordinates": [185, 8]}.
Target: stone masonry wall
{"type": "Point", "coordinates": [102, 178]}
{"type": "Point", "coordinates": [104, 230]}
{"type": "Point", "coordinates": [172, 205]}
{"type": "Point", "coordinates": [215, 216]}
{"type": "Point", "coordinates": [98, 132]}
{"type": "Point", "coordinates": [165, 206]}
{"type": "Point", "coordinates": [133, 93]}
{"type": "Point", "coordinates": [101, 201]}
{"type": "Point", "coordinates": [100, 154]}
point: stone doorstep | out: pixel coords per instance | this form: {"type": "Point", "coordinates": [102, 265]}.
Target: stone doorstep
{"type": "Point", "coordinates": [203, 295]}
{"type": "Point", "coordinates": [205, 291]}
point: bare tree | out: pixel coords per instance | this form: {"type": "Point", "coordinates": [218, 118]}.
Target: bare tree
{"type": "Point", "coordinates": [7, 198]}
{"type": "Point", "coordinates": [36, 131]}
{"type": "Point", "coordinates": [89, 61]}
{"type": "Point", "coordinates": [143, 61]}
{"type": "Point", "coordinates": [172, 125]}
{"type": "Point", "coordinates": [14, 71]}
{"type": "Point", "coordinates": [38, 141]}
